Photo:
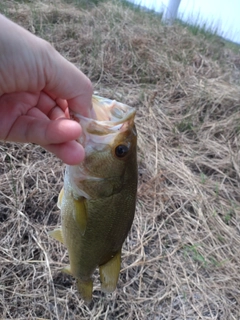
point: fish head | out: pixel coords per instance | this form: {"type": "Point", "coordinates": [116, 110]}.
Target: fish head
{"type": "Point", "coordinates": [110, 143]}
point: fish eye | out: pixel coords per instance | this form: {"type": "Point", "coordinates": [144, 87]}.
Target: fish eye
{"type": "Point", "coordinates": [121, 151]}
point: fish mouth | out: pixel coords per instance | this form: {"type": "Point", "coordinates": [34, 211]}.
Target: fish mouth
{"type": "Point", "coordinates": [112, 117]}
{"type": "Point", "coordinates": [107, 110]}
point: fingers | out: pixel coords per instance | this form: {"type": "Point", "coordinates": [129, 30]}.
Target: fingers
{"type": "Point", "coordinates": [56, 113]}
{"type": "Point", "coordinates": [45, 106]}
{"type": "Point", "coordinates": [71, 152]}
{"type": "Point", "coordinates": [54, 109]}
{"type": "Point", "coordinates": [23, 123]}
{"type": "Point", "coordinates": [43, 132]}
{"type": "Point", "coordinates": [64, 80]}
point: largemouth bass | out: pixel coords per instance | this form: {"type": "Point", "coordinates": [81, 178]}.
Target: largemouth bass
{"type": "Point", "coordinates": [98, 199]}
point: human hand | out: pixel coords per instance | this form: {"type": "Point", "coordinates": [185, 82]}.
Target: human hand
{"type": "Point", "coordinates": [37, 87]}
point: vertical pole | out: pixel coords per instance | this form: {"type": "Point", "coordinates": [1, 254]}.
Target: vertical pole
{"type": "Point", "coordinates": [170, 12]}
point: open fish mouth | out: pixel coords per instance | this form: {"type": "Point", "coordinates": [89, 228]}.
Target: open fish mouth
{"type": "Point", "coordinates": [111, 117]}
{"type": "Point", "coordinates": [111, 111]}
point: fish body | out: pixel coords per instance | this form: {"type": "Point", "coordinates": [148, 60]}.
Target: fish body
{"type": "Point", "coordinates": [99, 196]}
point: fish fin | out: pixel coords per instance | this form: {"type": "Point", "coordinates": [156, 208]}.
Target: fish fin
{"type": "Point", "coordinates": [57, 234]}
{"type": "Point", "coordinates": [85, 289]}
{"type": "Point", "coordinates": [109, 273]}
{"type": "Point", "coordinates": [60, 196]}
{"type": "Point", "coordinates": [80, 214]}
{"type": "Point", "coordinates": [67, 270]}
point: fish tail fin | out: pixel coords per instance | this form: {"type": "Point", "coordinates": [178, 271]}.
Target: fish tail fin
{"type": "Point", "coordinates": [109, 273]}
{"type": "Point", "coordinates": [85, 289]}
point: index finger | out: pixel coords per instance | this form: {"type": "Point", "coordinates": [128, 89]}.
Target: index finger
{"type": "Point", "coordinates": [65, 81]}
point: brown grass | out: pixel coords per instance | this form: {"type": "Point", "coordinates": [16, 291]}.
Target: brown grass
{"type": "Point", "coordinates": [182, 258]}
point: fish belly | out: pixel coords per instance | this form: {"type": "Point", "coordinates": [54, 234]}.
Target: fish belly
{"type": "Point", "coordinates": [106, 229]}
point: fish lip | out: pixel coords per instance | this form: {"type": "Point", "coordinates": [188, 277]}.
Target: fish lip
{"type": "Point", "coordinates": [107, 106]}
{"type": "Point", "coordinates": [113, 117]}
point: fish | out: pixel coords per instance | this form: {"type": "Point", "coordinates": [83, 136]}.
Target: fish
{"type": "Point", "coordinates": [98, 198]}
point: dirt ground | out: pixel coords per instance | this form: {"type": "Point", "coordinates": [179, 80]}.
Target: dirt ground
{"type": "Point", "coordinates": [181, 260]}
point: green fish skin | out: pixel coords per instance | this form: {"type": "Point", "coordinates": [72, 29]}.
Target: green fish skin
{"type": "Point", "coordinates": [99, 196]}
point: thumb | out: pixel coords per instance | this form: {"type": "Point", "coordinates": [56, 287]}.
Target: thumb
{"type": "Point", "coordinates": [44, 131]}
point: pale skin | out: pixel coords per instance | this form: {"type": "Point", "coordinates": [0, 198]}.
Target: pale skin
{"type": "Point", "coordinates": [37, 89]}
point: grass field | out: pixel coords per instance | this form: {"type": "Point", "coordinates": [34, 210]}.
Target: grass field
{"type": "Point", "coordinates": [181, 260]}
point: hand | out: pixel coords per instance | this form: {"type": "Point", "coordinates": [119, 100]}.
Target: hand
{"type": "Point", "coordinates": [37, 87]}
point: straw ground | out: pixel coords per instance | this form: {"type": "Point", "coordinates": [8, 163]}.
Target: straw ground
{"type": "Point", "coordinates": [181, 259]}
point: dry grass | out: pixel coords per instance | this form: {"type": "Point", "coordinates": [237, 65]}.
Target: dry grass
{"type": "Point", "coordinates": [181, 260]}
